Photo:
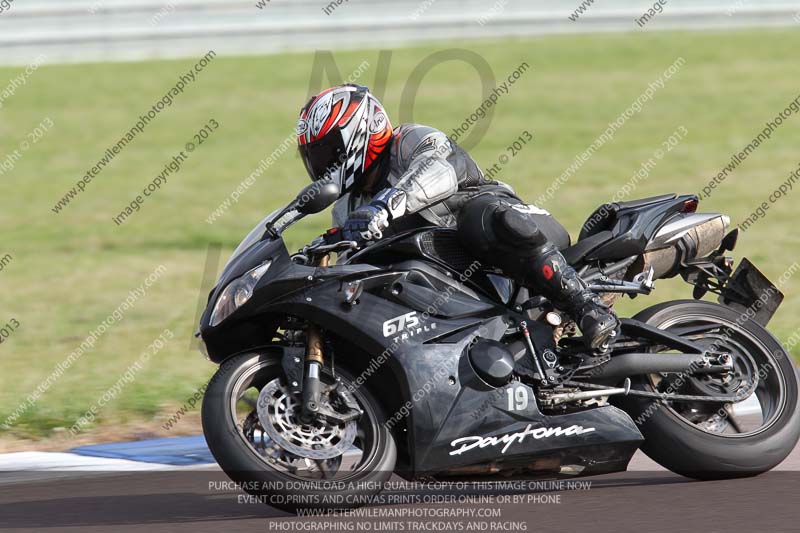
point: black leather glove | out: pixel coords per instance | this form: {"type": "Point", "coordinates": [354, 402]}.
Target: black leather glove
{"type": "Point", "coordinates": [367, 223]}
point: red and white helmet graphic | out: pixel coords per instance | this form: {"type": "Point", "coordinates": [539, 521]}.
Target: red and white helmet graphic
{"type": "Point", "coordinates": [341, 133]}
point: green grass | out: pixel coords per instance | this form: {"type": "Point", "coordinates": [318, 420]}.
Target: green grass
{"type": "Point", "coordinates": [72, 269]}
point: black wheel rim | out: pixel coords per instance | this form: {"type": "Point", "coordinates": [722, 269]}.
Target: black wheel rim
{"type": "Point", "coordinates": [753, 362]}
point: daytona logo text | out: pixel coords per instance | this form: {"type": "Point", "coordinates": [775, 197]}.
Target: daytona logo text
{"type": "Point", "coordinates": [468, 443]}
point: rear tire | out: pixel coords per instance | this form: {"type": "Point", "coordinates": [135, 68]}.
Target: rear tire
{"type": "Point", "coordinates": [682, 446]}
{"type": "Point", "coordinates": [243, 464]}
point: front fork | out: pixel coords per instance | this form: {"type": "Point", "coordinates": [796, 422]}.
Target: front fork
{"type": "Point", "coordinates": [312, 386]}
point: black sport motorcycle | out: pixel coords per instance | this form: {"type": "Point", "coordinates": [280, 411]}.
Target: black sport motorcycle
{"type": "Point", "coordinates": [410, 357]}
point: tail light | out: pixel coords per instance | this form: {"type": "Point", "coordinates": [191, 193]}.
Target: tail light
{"type": "Point", "coordinates": [689, 206]}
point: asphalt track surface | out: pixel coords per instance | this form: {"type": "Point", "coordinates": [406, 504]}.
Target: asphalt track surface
{"type": "Point", "coordinates": [646, 498]}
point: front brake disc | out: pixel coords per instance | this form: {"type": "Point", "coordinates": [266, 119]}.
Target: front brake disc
{"type": "Point", "coordinates": [279, 414]}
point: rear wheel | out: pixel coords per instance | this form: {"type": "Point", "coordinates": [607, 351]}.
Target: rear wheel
{"type": "Point", "coordinates": [252, 426]}
{"type": "Point", "coordinates": [714, 440]}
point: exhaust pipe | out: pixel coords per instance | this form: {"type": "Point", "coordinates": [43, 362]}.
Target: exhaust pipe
{"type": "Point", "coordinates": [685, 239]}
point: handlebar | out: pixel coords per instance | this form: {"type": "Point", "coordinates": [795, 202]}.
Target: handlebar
{"type": "Point", "coordinates": [325, 248]}
{"type": "Point", "coordinates": [332, 241]}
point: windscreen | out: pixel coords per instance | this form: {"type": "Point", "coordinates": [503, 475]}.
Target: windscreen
{"type": "Point", "coordinates": [279, 221]}
{"type": "Point", "coordinates": [253, 237]}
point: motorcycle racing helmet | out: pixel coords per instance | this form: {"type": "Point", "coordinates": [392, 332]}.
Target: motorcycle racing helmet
{"type": "Point", "coordinates": [341, 134]}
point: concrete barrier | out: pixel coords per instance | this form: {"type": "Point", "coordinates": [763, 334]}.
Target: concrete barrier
{"type": "Point", "coordinates": [118, 30]}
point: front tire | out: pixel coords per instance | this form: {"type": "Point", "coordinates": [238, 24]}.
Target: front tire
{"type": "Point", "coordinates": [248, 456]}
{"type": "Point", "coordinates": [682, 438]}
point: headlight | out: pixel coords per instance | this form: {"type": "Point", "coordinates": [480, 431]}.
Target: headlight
{"type": "Point", "coordinates": [237, 293]}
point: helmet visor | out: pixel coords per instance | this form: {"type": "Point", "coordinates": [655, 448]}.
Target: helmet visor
{"type": "Point", "coordinates": [324, 158]}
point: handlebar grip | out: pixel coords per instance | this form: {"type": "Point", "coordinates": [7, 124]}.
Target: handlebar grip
{"type": "Point", "coordinates": [333, 236]}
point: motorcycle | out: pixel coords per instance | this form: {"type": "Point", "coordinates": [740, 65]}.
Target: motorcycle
{"type": "Point", "coordinates": [409, 357]}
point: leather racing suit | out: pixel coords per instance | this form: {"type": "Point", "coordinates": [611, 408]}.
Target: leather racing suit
{"type": "Point", "coordinates": [443, 186]}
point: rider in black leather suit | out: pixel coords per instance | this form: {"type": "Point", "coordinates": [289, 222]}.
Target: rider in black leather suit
{"type": "Point", "coordinates": [395, 179]}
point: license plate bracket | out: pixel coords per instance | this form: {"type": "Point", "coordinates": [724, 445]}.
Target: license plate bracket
{"type": "Point", "coordinates": [749, 291]}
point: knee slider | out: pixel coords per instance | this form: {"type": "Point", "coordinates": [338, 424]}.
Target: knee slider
{"type": "Point", "coordinates": [518, 228]}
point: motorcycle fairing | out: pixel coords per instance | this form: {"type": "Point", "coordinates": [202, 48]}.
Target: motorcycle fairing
{"type": "Point", "coordinates": [440, 247]}
{"type": "Point", "coordinates": [432, 373]}
{"type": "Point", "coordinates": [451, 394]}
{"type": "Point", "coordinates": [316, 293]}
{"type": "Point", "coordinates": [437, 348]}
{"type": "Point", "coordinates": [248, 326]}
{"type": "Point", "coordinates": [456, 404]}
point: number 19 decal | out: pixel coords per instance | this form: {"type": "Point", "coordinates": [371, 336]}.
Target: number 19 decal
{"type": "Point", "coordinates": [517, 398]}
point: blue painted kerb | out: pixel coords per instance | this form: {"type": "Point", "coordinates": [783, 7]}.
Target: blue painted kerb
{"type": "Point", "coordinates": [171, 451]}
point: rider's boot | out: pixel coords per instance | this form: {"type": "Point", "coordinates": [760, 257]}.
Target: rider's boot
{"type": "Point", "coordinates": [555, 279]}
{"type": "Point", "coordinates": [507, 235]}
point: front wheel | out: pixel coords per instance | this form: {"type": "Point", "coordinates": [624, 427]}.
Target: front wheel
{"type": "Point", "coordinates": [705, 440]}
{"type": "Point", "coordinates": [252, 426]}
